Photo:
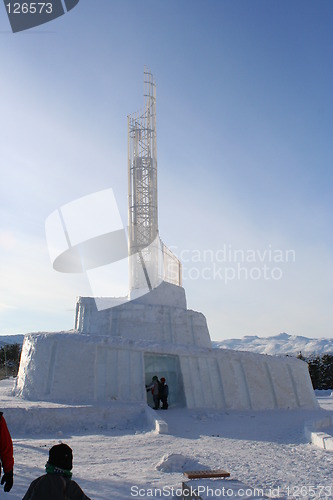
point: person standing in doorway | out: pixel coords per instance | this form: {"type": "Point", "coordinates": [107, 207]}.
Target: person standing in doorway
{"type": "Point", "coordinates": [153, 387]}
{"type": "Point", "coordinates": [164, 393]}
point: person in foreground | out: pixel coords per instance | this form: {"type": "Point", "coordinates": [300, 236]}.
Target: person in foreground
{"type": "Point", "coordinates": [56, 484]}
{"type": "Point", "coordinates": [6, 455]}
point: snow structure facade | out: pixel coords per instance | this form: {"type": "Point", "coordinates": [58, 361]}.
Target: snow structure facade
{"type": "Point", "coordinates": [119, 344]}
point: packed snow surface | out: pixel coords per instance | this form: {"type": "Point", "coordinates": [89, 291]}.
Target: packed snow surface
{"type": "Point", "coordinates": [121, 457]}
{"type": "Point", "coordinates": [278, 345]}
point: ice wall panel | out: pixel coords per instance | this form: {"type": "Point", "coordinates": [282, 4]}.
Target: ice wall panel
{"type": "Point", "coordinates": [208, 391]}
{"type": "Point", "coordinates": [260, 389]}
{"type": "Point", "coordinates": [137, 388]}
{"type": "Point", "coordinates": [188, 382]}
{"type": "Point", "coordinates": [284, 391]}
{"type": "Point", "coordinates": [68, 354]}
{"type": "Point", "coordinates": [193, 387]}
{"type": "Point", "coordinates": [74, 367]}
{"type": "Point", "coordinates": [216, 383]}
{"type": "Point", "coordinates": [243, 395]}
{"type": "Point", "coordinates": [303, 385]}
{"type": "Point", "coordinates": [160, 316]}
{"type": "Point", "coordinates": [123, 374]}
{"type": "Point", "coordinates": [112, 374]}
{"type": "Point", "coordinates": [228, 379]}
{"type": "Point", "coordinates": [100, 373]}
{"type": "Point", "coordinates": [33, 378]}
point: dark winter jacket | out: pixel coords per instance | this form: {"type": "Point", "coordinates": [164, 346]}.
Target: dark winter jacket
{"type": "Point", "coordinates": [163, 390]}
{"type": "Point", "coordinates": [6, 446]}
{"type": "Point", "coordinates": [54, 487]}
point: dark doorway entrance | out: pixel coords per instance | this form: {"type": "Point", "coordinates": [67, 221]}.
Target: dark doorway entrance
{"type": "Point", "coordinates": [167, 366]}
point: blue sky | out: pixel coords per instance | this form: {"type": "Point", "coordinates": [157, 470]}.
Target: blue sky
{"type": "Point", "coordinates": [244, 124]}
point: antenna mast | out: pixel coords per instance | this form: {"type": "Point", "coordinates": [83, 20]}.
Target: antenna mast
{"type": "Point", "coordinates": [142, 191]}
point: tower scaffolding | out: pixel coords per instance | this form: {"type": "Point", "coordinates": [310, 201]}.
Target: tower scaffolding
{"type": "Point", "coordinates": [150, 260]}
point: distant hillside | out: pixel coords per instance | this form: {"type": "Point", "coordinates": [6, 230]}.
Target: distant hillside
{"type": "Point", "coordinates": [279, 344]}
{"type": "Point", "coordinates": [11, 339]}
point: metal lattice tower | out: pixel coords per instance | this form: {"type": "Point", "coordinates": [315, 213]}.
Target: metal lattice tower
{"type": "Point", "coordinates": [150, 261]}
{"type": "Point", "coordinates": [142, 190]}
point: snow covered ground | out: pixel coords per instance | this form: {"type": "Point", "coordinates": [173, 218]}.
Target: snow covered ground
{"type": "Point", "coordinates": [127, 459]}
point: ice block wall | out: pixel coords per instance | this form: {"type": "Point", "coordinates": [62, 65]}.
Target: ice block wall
{"type": "Point", "coordinates": [83, 368]}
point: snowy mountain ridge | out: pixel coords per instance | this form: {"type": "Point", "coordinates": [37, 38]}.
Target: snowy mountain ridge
{"type": "Point", "coordinates": [11, 339]}
{"type": "Point", "coordinates": [281, 344]}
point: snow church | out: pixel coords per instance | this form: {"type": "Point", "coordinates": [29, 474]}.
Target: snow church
{"type": "Point", "coordinates": [118, 344]}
